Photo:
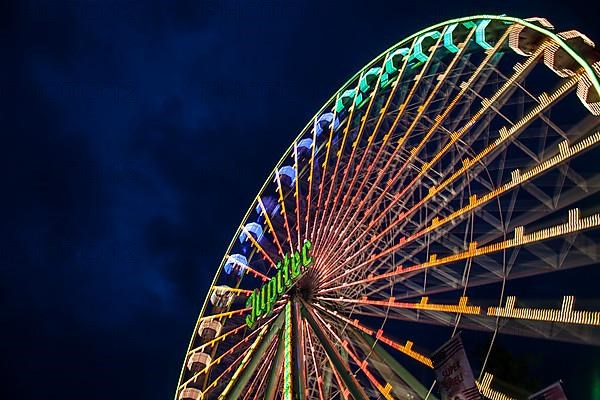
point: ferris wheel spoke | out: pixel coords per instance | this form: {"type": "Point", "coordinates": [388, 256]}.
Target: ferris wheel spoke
{"type": "Point", "coordinates": [281, 201]}
{"type": "Point", "coordinates": [342, 389]}
{"type": "Point", "coordinates": [566, 314]}
{"type": "Point", "coordinates": [255, 387]}
{"type": "Point", "coordinates": [263, 253]}
{"type": "Point", "coordinates": [505, 135]}
{"type": "Point", "coordinates": [270, 225]}
{"type": "Point", "coordinates": [310, 179]}
{"type": "Point", "coordinates": [383, 193]}
{"type": "Point", "coordinates": [297, 196]}
{"type": "Point", "coordinates": [363, 366]}
{"type": "Point", "coordinates": [390, 369]}
{"type": "Point", "coordinates": [349, 161]}
{"type": "Point", "coordinates": [216, 361]}
{"type": "Point", "coordinates": [423, 304]}
{"type": "Point", "coordinates": [261, 344]}
{"type": "Point", "coordinates": [339, 155]}
{"type": "Point", "coordinates": [318, 210]}
{"type": "Point", "coordinates": [226, 314]}
{"type": "Point", "coordinates": [457, 157]}
{"type": "Point", "coordinates": [449, 281]}
{"type": "Point", "coordinates": [375, 204]}
{"type": "Point", "coordinates": [441, 78]}
{"type": "Point", "coordinates": [402, 111]}
{"type": "Point", "coordinates": [436, 227]}
{"type": "Point", "coordinates": [356, 145]}
{"type": "Point", "coordinates": [237, 291]}
{"type": "Point", "coordinates": [573, 225]}
{"type": "Point", "coordinates": [318, 326]}
{"type": "Point", "coordinates": [582, 254]}
{"type": "Point", "coordinates": [378, 124]}
{"type": "Point", "coordinates": [222, 376]}
{"type": "Point", "coordinates": [563, 324]}
{"type": "Point", "coordinates": [375, 130]}
{"type": "Point", "coordinates": [564, 200]}
{"type": "Point", "coordinates": [219, 338]}
{"type": "Point", "coordinates": [403, 215]}
{"type": "Point", "coordinates": [324, 190]}
{"type": "Point", "coordinates": [403, 106]}
{"type": "Point", "coordinates": [318, 379]}
{"type": "Point", "coordinates": [373, 165]}
{"type": "Point", "coordinates": [563, 154]}
{"type": "Point", "coordinates": [406, 348]}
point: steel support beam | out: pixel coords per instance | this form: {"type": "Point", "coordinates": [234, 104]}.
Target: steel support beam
{"type": "Point", "coordinates": [336, 359]}
{"type": "Point", "coordinates": [298, 370]}
{"type": "Point", "coordinates": [275, 373]}
{"type": "Point", "coordinates": [255, 360]}
{"type": "Point", "coordinates": [398, 369]}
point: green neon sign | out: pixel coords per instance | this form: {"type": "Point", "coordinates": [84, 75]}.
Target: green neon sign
{"type": "Point", "coordinates": [288, 270]}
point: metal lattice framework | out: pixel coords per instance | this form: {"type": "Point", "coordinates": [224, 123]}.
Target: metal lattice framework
{"type": "Point", "coordinates": [454, 170]}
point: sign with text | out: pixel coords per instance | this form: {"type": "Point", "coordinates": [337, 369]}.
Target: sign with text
{"type": "Point", "coordinates": [453, 372]}
{"type": "Point", "coordinates": [552, 392]}
{"type": "Point", "coordinates": [262, 300]}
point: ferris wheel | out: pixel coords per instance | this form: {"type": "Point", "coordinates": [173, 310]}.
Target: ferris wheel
{"type": "Point", "coordinates": [430, 195]}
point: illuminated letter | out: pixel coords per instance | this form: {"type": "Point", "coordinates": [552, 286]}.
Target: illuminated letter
{"type": "Point", "coordinates": [296, 265]}
{"type": "Point", "coordinates": [263, 303]}
{"type": "Point", "coordinates": [286, 271]}
{"type": "Point", "coordinates": [306, 258]}
{"type": "Point", "coordinates": [272, 293]}
{"type": "Point", "coordinates": [280, 283]}
{"type": "Point", "coordinates": [251, 302]}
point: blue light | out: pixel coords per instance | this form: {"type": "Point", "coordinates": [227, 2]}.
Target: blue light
{"type": "Point", "coordinates": [255, 229]}
{"type": "Point", "coordinates": [236, 263]}
{"type": "Point", "coordinates": [288, 171]}
{"type": "Point", "coordinates": [324, 122]}
{"type": "Point", "coordinates": [305, 144]}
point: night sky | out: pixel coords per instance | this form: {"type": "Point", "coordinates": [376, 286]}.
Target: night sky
{"type": "Point", "coordinates": [134, 136]}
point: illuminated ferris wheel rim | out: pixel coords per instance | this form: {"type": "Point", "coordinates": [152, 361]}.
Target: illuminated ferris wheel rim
{"type": "Point", "coordinates": [595, 80]}
{"type": "Point", "coordinates": [589, 71]}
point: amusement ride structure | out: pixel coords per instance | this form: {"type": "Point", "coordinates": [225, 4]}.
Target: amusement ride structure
{"type": "Point", "coordinates": [428, 196]}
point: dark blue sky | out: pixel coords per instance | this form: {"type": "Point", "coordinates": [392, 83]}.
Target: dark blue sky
{"type": "Point", "coordinates": [134, 136]}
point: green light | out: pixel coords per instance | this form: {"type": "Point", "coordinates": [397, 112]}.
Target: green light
{"type": "Point", "coordinates": [393, 62]}
{"type": "Point", "coordinates": [368, 79]}
{"type": "Point", "coordinates": [449, 39]}
{"type": "Point", "coordinates": [287, 367]}
{"type": "Point", "coordinates": [262, 300]}
{"type": "Point", "coordinates": [595, 385]}
{"type": "Point", "coordinates": [418, 51]}
{"type": "Point", "coordinates": [480, 34]}
{"type": "Point", "coordinates": [391, 65]}
{"type": "Point", "coordinates": [345, 100]}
